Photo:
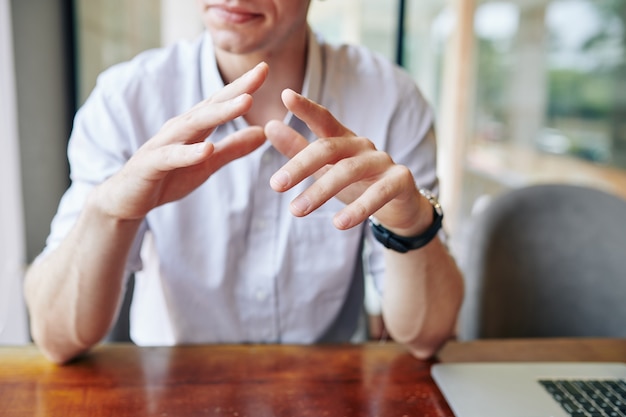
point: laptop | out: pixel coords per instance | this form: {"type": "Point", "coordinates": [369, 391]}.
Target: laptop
{"type": "Point", "coordinates": [537, 389]}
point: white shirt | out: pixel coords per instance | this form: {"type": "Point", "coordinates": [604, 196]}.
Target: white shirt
{"type": "Point", "coordinates": [229, 263]}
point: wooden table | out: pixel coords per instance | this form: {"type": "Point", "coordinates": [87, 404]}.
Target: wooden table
{"type": "Point", "coordinates": [237, 381]}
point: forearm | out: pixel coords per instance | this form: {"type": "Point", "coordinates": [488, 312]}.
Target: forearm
{"type": "Point", "coordinates": [422, 297]}
{"type": "Point", "coordinates": [74, 292]}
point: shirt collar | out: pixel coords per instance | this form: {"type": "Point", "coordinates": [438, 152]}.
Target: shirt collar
{"type": "Point", "coordinates": [314, 69]}
{"type": "Point", "coordinates": [210, 77]}
{"type": "Point", "coordinates": [211, 80]}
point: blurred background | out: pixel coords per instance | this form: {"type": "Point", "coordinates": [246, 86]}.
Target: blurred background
{"type": "Point", "coordinates": [525, 91]}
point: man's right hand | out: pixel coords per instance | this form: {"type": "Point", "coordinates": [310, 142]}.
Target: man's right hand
{"type": "Point", "coordinates": [178, 159]}
{"type": "Point", "coordinates": [73, 292]}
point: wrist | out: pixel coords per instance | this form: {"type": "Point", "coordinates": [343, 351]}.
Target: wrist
{"type": "Point", "coordinates": [420, 222]}
{"type": "Point", "coordinates": [406, 239]}
{"type": "Point", "coordinates": [100, 206]}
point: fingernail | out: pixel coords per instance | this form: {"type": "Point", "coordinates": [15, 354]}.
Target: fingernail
{"type": "Point", "coordinates": [342, 220]}
{"type": "Point", "coordinates": [200, 147]}
{"type": "Point", "coordinates": [249, 73]}
{"type": "Point", "coordinates": [238, 99]}
{"type": "Point", "coordinates": [279, 180]}
{"type": "Point", "coordinates": [301, 204]}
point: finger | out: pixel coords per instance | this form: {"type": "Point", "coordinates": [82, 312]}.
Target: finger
{"type": "Point", "coordinates": [198, 123]}
{"type": "Point", "coordinates": [374, 198]}
{"type": "Point", "coordinates": [247, 83]}
{"type": "Point", "coordinates": [237, 145]}
{"type": "Point", "coordinates": [286, 140]}
{"type": "Point", "coordinates": [214, 156]}
{"type": "Point", "coordinates": [346, 172]}
{"type": "Point", "coordinates": [155, 163]}
{"type": "Point", "coordinates": [321, 122]}
{"type": "Point", "coordinates": [227, 104]}
{"type": "Point", "coordinates": [317, 157]}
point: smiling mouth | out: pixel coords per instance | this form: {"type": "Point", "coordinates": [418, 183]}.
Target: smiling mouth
{"type": "Point", "coordinates": [233, 15]}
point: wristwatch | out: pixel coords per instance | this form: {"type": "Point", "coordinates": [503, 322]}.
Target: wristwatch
{"type": "Point", "coordinates": [404, 244]}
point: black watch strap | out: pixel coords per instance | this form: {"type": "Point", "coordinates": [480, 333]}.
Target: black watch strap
{"type": "Point", "coordinates": [404, 244]}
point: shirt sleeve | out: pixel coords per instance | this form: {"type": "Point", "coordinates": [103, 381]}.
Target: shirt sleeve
{"type": "Point", "coordinates": [100, 144]}
{"type": "Point", "coordinates": [411, 141]}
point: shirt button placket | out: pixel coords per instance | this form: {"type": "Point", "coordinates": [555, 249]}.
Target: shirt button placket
{"type": "Point", "coordinates": [261, 275]}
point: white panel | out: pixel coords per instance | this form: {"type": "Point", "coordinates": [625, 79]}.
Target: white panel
{"type": "Point", "coordinates": [179, 20]}
{"type": "Point", "coordinates": [13, 327]}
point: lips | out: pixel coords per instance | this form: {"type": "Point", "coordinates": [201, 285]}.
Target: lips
{"type": "Point", "coordinates": [233, 15]}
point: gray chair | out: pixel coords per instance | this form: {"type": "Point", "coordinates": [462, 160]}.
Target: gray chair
{"type": "Point", "coordinates": [546, 261]}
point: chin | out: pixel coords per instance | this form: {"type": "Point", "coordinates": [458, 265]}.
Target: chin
{"type": "Point", "coordinates": [235, 44]}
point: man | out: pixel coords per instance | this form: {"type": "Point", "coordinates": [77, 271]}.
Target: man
{"type": "Point", "coordinates": [245, 218]}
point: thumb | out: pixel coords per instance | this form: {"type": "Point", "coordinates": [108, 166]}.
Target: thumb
{"type": "Point", "coordinates": [286, 140]}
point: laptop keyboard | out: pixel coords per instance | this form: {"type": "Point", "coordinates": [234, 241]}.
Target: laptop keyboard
{"type": "Point", "coordinates": [589, 398]}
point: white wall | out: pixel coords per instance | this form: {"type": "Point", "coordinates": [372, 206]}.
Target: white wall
{"type": "Point", "coordinates": [13, 328]}
{"type": "Point", "coordinates": [179, 20]}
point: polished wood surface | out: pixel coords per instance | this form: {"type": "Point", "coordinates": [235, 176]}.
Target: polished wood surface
{"type": "Point", "coordinates": [236, 381]}
{"type": "Point", "coordinates": [249, 380]}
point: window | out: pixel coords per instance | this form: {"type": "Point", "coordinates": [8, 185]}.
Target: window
{"type": "Point", "coordinates": [523, 96]}
{"type": "Point", "coordinates": [549, 94]}
{"type": "Point", "coordinates": [367, 22]}
{"type": "Point", "coordinates": [112, 31]}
